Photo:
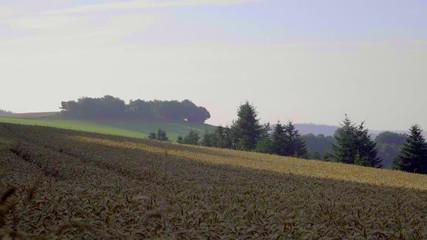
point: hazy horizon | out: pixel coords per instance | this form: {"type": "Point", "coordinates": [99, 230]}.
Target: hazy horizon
{"type": "Point", "coordinates": [306, 61]}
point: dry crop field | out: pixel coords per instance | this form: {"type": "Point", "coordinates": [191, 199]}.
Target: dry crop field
{"type": "Point", "coordinates": [61, 184]}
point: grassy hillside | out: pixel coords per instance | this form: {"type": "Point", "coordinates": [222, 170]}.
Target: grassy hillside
{"type": "Point", "coordinates": [65, 184]}
{"type": "Point", "coordinates": [119, 128]}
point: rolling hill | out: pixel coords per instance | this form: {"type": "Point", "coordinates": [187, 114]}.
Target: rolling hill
{"type": "Point", "coordinates": [59, 183]}
{"type": "Point", "coordinates": [111, 127]}
{"type": "Point", "coordinates": [174, 128]}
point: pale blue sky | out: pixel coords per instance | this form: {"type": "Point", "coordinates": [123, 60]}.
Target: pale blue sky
{"type": "Point", "coordinates": [301, 60]}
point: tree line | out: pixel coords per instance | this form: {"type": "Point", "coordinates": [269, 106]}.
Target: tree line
{"type": "Point", "coordinates": [388, 144]}
{"type": "Point", "coordinates": [319, 146]}
{"type": "Point", "coordinates": [247, 134]}
{"type": "Point", "coordinates": [159, 136]}
{"type": "Point", "coordinates": [109, 107]}
{"type": "Point", "coordinates": [351, 144]}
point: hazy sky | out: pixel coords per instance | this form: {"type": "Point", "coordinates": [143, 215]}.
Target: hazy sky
{"type": "Point", "coordinates": [300, 60]}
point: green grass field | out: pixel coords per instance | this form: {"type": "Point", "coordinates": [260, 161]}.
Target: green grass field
{"type": "Point", "coordinates": [119, 128]}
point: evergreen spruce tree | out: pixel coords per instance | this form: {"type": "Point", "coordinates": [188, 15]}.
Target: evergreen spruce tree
{"type": "Point", "coordinates": [294, 144]}
{"type": "Point", "coordinates": [246, 129]}
{"type": "Point", "coordinates": [355, 146]}
{"type": "Point", "coordinates": [345, 137]}
{"type": "Point", "coordinates": [413, 155]}
{"type": "Point", "coordinates": [278, 140]}
{"type": "Point", "coordinates": [367, 153]}
{"type": "Point", "coordinates": [362, 161]}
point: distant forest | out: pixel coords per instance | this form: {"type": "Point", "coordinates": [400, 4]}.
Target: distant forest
{"type": "Point", "coordinates": [316, 129]}
{"type": "Point", "coordinates": [350, 143]}
{"type": "Point", "coordinates": [388, 145]}
{"type": "Point", "coordinates": [109, 107]}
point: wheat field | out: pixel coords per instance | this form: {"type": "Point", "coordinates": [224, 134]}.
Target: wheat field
{"type": "Point", "coordinates": [62, 184]}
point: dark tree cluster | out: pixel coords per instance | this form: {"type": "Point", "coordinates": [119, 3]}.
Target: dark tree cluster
{"type": "Point", "coordinates": [355, 146]}
{"type": "Point", "coordinates": [191, 138]}
{"type": "Point", "coordinates": [159, 136]}
{"type": "Point", "coordinates": [413, 155]}
{"type": "Point", "coordinates": [109, 107]}
{"type": "Point", "coordinates": [247, 134]}
{"type": "Point", "coordinates": [351, 144]}
{"type": "Point", "coordinates": [389, 145]}
{"type": "Point", "coordinates": [93, 108]}
{"type": "Point", "coordinates": [286, 141]}
{"type": "Point", "coordinates": [221, 137]}
{"type": "Point", "coordinates": [320, 147]}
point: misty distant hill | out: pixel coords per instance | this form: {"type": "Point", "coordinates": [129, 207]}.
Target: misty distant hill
{"type": "Point", "coordinates": [329, 130]}
{"type": "Point", "coordinates": [316, 129]}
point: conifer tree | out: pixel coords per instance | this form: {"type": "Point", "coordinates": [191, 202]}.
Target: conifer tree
{"type": "Point", "coordinates": [294, 144]}
{"type": "Point", "coordinates": [355, 146]}
{"type": "Point", "coordinates": [246, 129]}
{"type": "Point", "coordinates": [367, 153]}
{"type": "Point", "coordinates": [413, 155]}
{"type": "Point", "coordinates": [345, 136]}
{"type": "Point", "coordinates": [278, 140]}
{"type": "Point", "coordinates": [286, 141]}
